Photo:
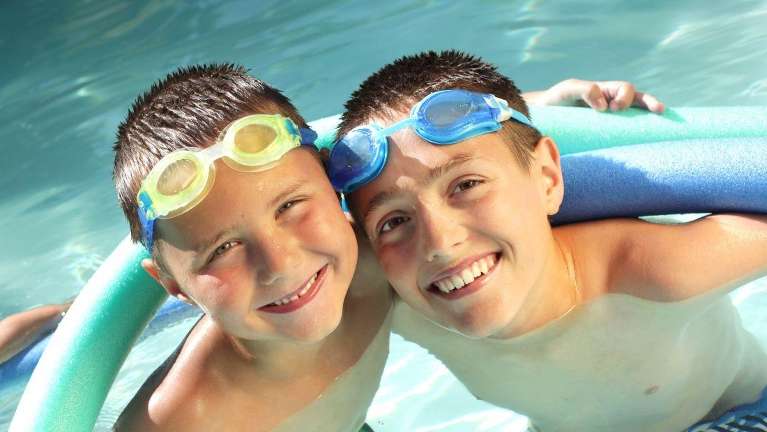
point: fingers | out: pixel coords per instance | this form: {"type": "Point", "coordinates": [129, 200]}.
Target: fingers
{"type": "Point", "coordinates": [592, 95]}
{"type": "Point", "coordinates": [623, 97]}
{"type": "Point", "coordinates": [576, 92]}
{"type": "Point", "coordinates": [648, 102]}
{"type": "Point", "coordinates": [599, 95]}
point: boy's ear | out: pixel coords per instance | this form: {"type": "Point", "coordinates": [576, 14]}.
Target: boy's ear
{"type": "Point", "coordinates": [164, 279]}
{"type": "Point", "coordinates": [549, 169]}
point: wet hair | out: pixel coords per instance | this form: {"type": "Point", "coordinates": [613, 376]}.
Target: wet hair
{"type": "Point", "coordinates": [396, 87]}
{"type": "Point", "coordinates": [187, 109]}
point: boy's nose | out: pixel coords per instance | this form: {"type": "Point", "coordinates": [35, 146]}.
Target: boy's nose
{"type": "Point", "coordinates": [274, 261]}
{"type": "Point", "coordinates": [442, 233]}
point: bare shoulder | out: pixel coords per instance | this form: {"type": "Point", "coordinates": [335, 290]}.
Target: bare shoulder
{"type": "Point", "coordinates": [596, 248]}
{"type": "Point", "coordinates": [672, 262]}
{"type": "Point", "coordinates": [162, 402]}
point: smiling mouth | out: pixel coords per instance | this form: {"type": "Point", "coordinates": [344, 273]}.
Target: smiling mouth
{"type": "Point", "coordinates": [466, 280]}
{"type": "Point", "coordinates": [300, 297]}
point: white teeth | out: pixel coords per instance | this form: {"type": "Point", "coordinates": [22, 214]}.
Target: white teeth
{"type": "Point", "coordinates": [442, 285]}
{"type": "Point", "coordinates": [300, 294]}
{"type": "Point", "coordinates": [475, 271]}
{"type": "Point", "coordinates": [467, 276]}
{"type": "Point", "coordinates": [483, 267]}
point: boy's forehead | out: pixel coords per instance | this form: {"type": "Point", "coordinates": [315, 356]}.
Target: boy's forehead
{"type": "Point", "coordinates": [413, 164]}
{"type": "Point", "coordinates": [241, 193]}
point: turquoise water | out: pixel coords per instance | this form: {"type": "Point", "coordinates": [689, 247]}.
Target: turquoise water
{"type": "Point", "coordinates": [72, 68]}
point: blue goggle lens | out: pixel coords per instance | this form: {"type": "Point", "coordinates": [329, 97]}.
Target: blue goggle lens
{"type": "Point", "coordinates": [445, 109]}
{"type": "Point", "coordinates": [449, 116]}
{"type": "Point", "coordinates": [352, 157]}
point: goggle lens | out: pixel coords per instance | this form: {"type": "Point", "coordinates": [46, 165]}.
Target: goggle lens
{"type": "Point", "coordinates": [254, 138]}
{"type": "Point", "coordinates": [353, 156]}
{"type": "Point", "coordinates": [444, 111]}
{"type": "Point", "coordinates": [177, 177]}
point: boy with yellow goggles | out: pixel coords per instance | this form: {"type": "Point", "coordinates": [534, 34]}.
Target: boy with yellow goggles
{"type": "Point", "coordinates": [183, 178]}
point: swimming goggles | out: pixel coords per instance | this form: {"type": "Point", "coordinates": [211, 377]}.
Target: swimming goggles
{"type": "Point", "coordinates": [443, 117]}
{"type": "Point", "coordinates": [181, 179]}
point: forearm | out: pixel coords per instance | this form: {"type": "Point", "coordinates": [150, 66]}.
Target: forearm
{"type": "Point", "coordinates": [19, 330]}
{"type": "Point", "coordinates": [534, 97]}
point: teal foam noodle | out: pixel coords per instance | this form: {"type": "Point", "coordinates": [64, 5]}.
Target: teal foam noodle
{"type": "Point", "coordinates": [69, 385]}
{"type": "Point", "coordinates": [582, 129]}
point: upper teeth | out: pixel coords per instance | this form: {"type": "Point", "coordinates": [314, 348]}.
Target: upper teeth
{"type": "Point", "coordinates": [467, 275]}
{"type": "Point", "coordinates": [294, 297]}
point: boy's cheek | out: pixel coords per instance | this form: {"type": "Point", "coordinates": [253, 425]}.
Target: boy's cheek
{"type": "Point", "coordinates": [400, 270]}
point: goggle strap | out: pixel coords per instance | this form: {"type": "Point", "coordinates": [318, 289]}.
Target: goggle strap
{"type": "Point", "coordinates": [521, 118]}
{"type": "Point", "coordinates": [147, 229]}
{"type": "Point", "coordinates": [213, 152]}
{"type": "Point", "coordinates": [505, 112]}
{"type": "Point", "coordinates": [397, 126]}
{"type": "Point", "coordinates": [308, 136]}
{"type": "Point", "coordinates": [344, 204]}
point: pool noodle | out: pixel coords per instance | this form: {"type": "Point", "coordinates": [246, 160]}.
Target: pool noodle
{"type": "Point", "coordinates": [20, 366]}
{"type": "Point", "coordinates": [692, 176]}
{"type": "Point", "coordinates": [67, 389]}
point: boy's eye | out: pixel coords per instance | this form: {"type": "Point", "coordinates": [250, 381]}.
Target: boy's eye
{"type": "Point", "coordinates": [288, 205]}
{"type": "Point", "coordinates": [466, 185]}
{"type": "Point", "coordinates": [223, 249]}
{"type": "Point", "coordinates": [391, 224]}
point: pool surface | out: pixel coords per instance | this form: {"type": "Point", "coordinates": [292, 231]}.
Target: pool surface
{"type": "Point", "coordinates": [72, 68]}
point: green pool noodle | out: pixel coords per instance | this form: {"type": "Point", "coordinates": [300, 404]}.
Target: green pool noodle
{"type": "Point", "coordinates": [69, 385]}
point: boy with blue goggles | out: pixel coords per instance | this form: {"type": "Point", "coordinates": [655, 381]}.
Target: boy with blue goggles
{"type": "Point", "coordinates": [443, 117]}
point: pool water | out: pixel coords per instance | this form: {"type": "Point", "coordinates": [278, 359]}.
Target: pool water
{"type": "Point", "coordinates": [72, 68]}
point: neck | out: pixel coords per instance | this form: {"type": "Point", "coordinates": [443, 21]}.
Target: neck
{"type": "Point", "coordinates": [283, 359]}
{"type": "Point", "coordinates": [555, 293]}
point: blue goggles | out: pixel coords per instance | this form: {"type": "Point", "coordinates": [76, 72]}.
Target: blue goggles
{"type": "Point", "coordinates": [443, 117]}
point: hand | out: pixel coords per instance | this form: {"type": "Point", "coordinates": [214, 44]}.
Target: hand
{"type": "Point", "coordinates": [599, 95]}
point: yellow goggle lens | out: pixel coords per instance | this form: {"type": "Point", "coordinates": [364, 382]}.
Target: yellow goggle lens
{"type": "Point", "coordinates": [254, 138]}
{"type": "Point", "coordinates": [177, 177]}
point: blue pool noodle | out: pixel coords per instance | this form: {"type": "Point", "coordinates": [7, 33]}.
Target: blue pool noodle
{"type": "Point", "coordinates": [692, 176]}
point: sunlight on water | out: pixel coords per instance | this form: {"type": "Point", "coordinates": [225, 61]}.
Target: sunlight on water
{"type": "Point", "coordinates": [74, 67]}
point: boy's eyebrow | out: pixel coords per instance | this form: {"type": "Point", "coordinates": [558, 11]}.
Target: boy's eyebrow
{"type": "Point", "coordinates": [434, 173]}
{"type": "Point", "coordinates": [290, 189]}
{"type": "Point", "coordinates": [206, 243]}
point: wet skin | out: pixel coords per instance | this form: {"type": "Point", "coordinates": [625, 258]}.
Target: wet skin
{"type": "Point", "coordinates": [260, 238]}
{"type": "Point", "coordinates": [436, 210]}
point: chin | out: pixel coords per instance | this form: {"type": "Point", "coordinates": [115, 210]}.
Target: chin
{"type": "Point", "coordinates": [322, 326]}
{"type": "Point", "coordinates": [476, 324]}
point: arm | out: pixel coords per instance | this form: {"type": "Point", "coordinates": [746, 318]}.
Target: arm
{"type": "Point", "coordinates": [19, 330]}
{"type": "Point", "coordinates": [715, 254]}
{"type": "Point", "coordinates": [599, 95]}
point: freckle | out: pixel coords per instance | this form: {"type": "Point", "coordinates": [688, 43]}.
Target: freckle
{"type": "Point", "coordinates": [652, 389]}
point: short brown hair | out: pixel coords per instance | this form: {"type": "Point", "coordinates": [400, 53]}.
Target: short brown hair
{"type": "Point", "coordinates": [402, 83]}
{"type": "Point", "coordinates": [186, 109]}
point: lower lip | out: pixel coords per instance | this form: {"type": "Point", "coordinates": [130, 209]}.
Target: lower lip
{"type": "Point", "coordinates": [471, 288]}
{"type": "Point", "coordinates": [302, 301]}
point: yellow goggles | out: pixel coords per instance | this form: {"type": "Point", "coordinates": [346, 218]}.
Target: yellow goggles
{"type": "Point", "coordinates": [181, 179]}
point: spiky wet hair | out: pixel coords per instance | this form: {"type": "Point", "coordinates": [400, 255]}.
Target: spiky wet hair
{"type": "Point", "coordinates": [186, 109]}
{"type": "Point", "coordinates": [397, 86]}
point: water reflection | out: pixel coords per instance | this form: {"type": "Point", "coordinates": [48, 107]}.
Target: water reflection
{"type": "Point", "coordinates": [72, 69]}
